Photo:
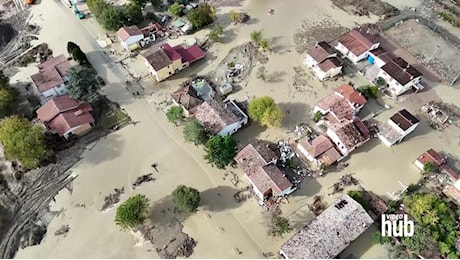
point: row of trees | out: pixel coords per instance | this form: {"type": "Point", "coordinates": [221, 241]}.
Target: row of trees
{"type": "Point", "coordinates": [113, 17]}
{"type": "Point", "coordinates": [135, 210]}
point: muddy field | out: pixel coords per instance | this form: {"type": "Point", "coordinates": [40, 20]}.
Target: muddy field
{"type": "Point", "coordinates": [309, 33]}
{"type": "Point", "coordinates": [435, 53]}
{"type": "Point", "coordinates": [367, 7]}
{"type": "Point", "coordinates": [246, 56]}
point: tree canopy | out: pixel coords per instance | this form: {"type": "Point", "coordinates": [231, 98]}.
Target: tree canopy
{"type": "Point", "coordinates": [7, 95]}
{"type": "Point", "coordinates": [195, 132]}
{"type": "Point", "coordinates": [175, 114]}
{"type": "Point", "coordinates": [71, 46]}
{"type": "Point", "coordinates": [134, 14]}
{"type": "Point", "coordinates": [132, 212]}
{"type": "Point", "coordinates": [186, 198]}
{"type": "Point", "coordinates": [429, 167]}
{"type": "Point", "coordinates": [23, 141]}
{"type": "Point", "coordinates": [220, 150]}
{"type": "Point", "coordinates": [256, 36]}
{"type": "Point", "coordinates": [265, 111]}
{"type": "Point", "coordinates": [83, 84]}
{"type": "Point", "coordinates": [369, 91]}
{"type": "Point", "coordinates": [201, 16]}
{"type": "Point", "coordinates": [113, 17]}
{"type": "Point", "coordinates": [175, 9]}
{"type": "Point", "coordinates": [214, 34]}
{"type": "Point", "coordinates": [79, 56]}
{"type": "Point", "coordinates": [140, 3]}
{"type": "Point", "coordinates": [276, 224]}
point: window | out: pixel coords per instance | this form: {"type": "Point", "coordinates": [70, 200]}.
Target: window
{"type": "Point", "coordinates": [170, 73]}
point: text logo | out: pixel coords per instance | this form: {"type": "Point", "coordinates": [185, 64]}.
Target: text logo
{"type": "Point", "coordinates": [397, 225]}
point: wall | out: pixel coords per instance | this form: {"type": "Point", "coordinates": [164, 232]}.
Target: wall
{"type": "Point", "coordinates": [336, 140]}
{"type": "Point", "coordinates": [50, 93]}
{"type": "Point", "coordinates": [230, 129]}
{"type": "Point", "coordinates": [309, 61]}
{"type": "Point", "coordinates": [384, 140]}
{"type": "Point", "coordinates": [419, 164]}
{"type": "Point", "coordinates": [79, 130]}
{"type": "Point", "coordinates": [305, 153]}
{"type": "Point", "coordinates": [257, 192]}
{"type": "Point", "coordinates": [287, 191]}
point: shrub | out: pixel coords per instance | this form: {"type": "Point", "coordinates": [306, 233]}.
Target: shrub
{"type": "Point", "coordinates": [100, 80]}
{"type": "Point", "coordinates": [132, 212]}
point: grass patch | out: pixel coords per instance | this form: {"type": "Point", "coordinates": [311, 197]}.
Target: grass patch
{"type": "Point", "coordinates": [114, 117]}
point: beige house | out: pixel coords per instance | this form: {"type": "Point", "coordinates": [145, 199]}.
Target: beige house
{"type": "Point", "coordinates": [167, 61]}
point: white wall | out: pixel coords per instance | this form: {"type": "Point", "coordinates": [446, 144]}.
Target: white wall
{"type": "Point", "coordinates": [384, 140]}
{"type": "Point", "coordinates": [309, 61]}
{"type": "Point", "coordinates": [305, 153]}
{"type": "Point", "coordinates": [287, 191]}
{"type": "Point", "coordinates": [131, 40]}
{"type": "Point", "coordinates": [336, 140]}
{"type": "Point", "coordinates": [231, 129]}
{"type": "Point", "coordinates": [50, 93]}
{"type": "Point", "coordinates": [419, 164]}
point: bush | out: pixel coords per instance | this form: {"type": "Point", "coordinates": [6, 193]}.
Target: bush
{"type": "Point", "coordinates": [195, 132]}
{"type": "Point", "coordinates": [100, 80]}
{"type": "Point", "coordinates": [175, 114]}
{"type": "Point", "coordinates": [132, 212]}
{"type": "Point", "coordinates": [186, 198]}
{"type": "Point", "coordinates": [175, 9]}
{"type": "Point", "coordinates": [369, 91]}
{"type": "Point", "coordinates": [358, 196]}
{"type": "Point", "coordinates": [201, 16]}
{"type": "Point", "coordinates": [317, 116]}
{"type": "Point", "coordinates": [220, 150]}
{"type": "Point", "coordinates": [265, 111]}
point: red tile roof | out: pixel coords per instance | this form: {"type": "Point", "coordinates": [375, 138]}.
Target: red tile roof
{"type": "Point", "coordinates": [316, 146]}
{"type": "Point", "coordinates": [349, 134]}
{"type": "Point", "coordinates": [357, 42]}
{"type": "Point", "coordinates": [51, 73]}
{"type": "Point", "coordinates": [338, 105]}
{"type": "Point", "coordinates": [321, 51]}
{"type": "Point", "coordinates": [187, 97]}
{"type": "Point", "coordinates": [351, 94]}
{"type": "Point", "coordinates": [431, 156]}
{"type": "Point", "coordinates": [190, 54]}
{"type": "Point", "coordinates": [329, 63]}
{"type": "Point", "coordinates": [215, 116]}
{"type": "Point", "coordinates": [63, 113]}
{"type": "Point", "coordinates": [401, 71]}
{"type": "Point", "coordinates": [127, 31]}
{"type": "Point", "coordinates": [330, 156]}
{"type": "Point", "coordinates": [254, 163]}
{"type": "Point", "coordinates": [170, 51]}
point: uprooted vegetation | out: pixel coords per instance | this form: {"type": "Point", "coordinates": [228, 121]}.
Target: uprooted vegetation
{"type": "Point", "coordinates": [367, 7]}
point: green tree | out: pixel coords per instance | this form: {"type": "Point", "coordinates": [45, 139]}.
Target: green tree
{"type": "Point", "coordinates": [379, 239]}
{"type": "Point", "coordinates": [276, 224]}
{"type": "Point", "coordinates": [134, 14]}
{"type": "Point", "coordinates": [139, 3]}
{"type": "Point", "coordinates": [265, 111]}
{"type": "Point", "coordinates": [429, 167]}
{"type": "Point", "coordinates": [175, 114]}
{"type": "Point", "coordinates": [23, 141]}
{"type": "Point", "coordinates": [234, 16]}
{"type": "Point", "coordinates": [7, 97]}
{"type": "Point", "coordinates": [220, 150]}
{"type": "Point", "coordinates": [263, 43]}
{"type": "Point", "coordinates": [201, 16]}
{"type": "Point", "coordinates": [317, 116]}
{"type": "Point", "coordinates": [175, 9]}
{"type": "Point", "coordinates": [214, 34]}
{"type": "Point", "coordinates": [156, 3]}
{"type": "Point", "coordinates": [186, 198]}
{"type": "Point", "coordinates": [4, 80]}
{"type": "Point", "coordinates": [79, 56]}
{"type": "Point", "coordinates": [256, 36]}
{"type": "Point", "coordinates": [358, 197]}
{"type": "Point", "coordinates": [369, 91]}
{"type": "Point", "coordinates": [195, 132]}
{"type": "Point", "coordinates": [83, 85]}
{"type": "Point", "coordinates": [112, 18]}
{"type": "Point", "coordinates": [71, 46]}
{"type": "Point", "coordinates": [152, 17]}
{"type": "Point", "coordinates": [132, 212]}
{"type": "Point", "coordinates": [380, 82]}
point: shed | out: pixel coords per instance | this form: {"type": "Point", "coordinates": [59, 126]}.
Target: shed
{"type": "Point", "coordinates": [178, 23]}
{"type": "Point", "coordinates": [226, 89]}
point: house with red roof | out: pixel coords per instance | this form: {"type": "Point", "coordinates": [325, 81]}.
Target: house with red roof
{"type": "Point", "coordinates": [258, 161]}
{"type": "Point", "coordinates": [51, 79]}
{"type": "Point", "coordinates": [437, 160]}
{"type": "Point", "coordinates": [319, 150]}
{"type": "Point", "coordinates": [130, 37]}
{"type": "Point", "coordinates": [322, 59]}
{"type": "Point", "coordinates": [165, 61]}
{"type": "Point", "coordinates": [66, 117]}
{"type": "Point", "coordinates": [343, 104]}
{"type": "Point", "coordinates": [356, 45]}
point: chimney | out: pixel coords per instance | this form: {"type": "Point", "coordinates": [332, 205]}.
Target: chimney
{"type": "Point", "coordinates": [316, 45]}
{"type": "Point", "coordinates": [78, 112]}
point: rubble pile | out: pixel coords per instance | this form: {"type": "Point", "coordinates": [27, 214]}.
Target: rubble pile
{"type": "Point", "coordinates": [286, 151]}
{"type": "Point", "coordinates": [142, 179]}
{"type": "Point", "coordinates": [440, 67]}
{"type": "Point", "coordinates": [62, 230]}
{"type": "Point", "coordinates": [112, 199]}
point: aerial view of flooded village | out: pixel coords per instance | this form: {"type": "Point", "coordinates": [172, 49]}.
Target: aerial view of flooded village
{"type": "Point", "coordinates": [228, 129]}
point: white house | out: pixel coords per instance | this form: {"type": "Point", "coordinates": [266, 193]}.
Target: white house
{"type": "Point", "coordinates": [356, 45]}
{"type": "Point", "coordinates": [51, 79]}
{"type": "Point", "coordinates": [258, 161]}
{"type": "Point", "coordinates": [398, 126]}
{"type": "Point", "coordinates": [130, 37]}
{"type": "Point", "coordinates": [349, 135]}
{"type": "Point", "coordinates": [343, 104]}
{"type": "Point", "coordinates": [323, 61]}
{"type": "Point", "coordinates": [400, 76]}
{"type": "Point", "coordinates": [221, 118]}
